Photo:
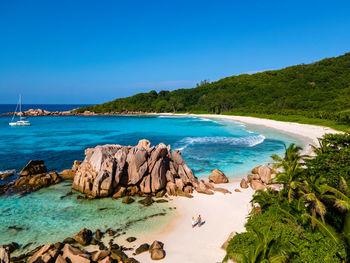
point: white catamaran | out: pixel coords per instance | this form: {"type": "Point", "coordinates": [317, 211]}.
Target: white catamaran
{"type": "Point", "coordinates": [22, 120]}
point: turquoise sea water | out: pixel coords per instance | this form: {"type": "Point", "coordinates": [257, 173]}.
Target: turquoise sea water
{"type": "Point", "coordinates": [206, 144]}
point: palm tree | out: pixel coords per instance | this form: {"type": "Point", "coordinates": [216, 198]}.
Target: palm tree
{"type": "Point", "coordinates": [266, 249]}
{"type": "Point", "coordinates": [291, 154]}
{"type": "Point", "coordinates": [301, 215]}
{"type": "Point", "coordinates": [311, 190]}
{"type": "Point", "coordinates": [323, 147]}
{"type": "Point", "coordinates": [290, 176]}
{"type": "Point", "coordinates": [341, 201]}
{"type": "Point", "coordinates": [262, 199]}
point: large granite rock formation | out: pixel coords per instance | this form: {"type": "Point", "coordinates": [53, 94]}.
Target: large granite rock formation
{"type": "Point", "coordinates": [126, 170]}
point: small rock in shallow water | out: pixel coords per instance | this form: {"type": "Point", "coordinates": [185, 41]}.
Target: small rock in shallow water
{"type": "Point", "coordinates": [127, 200]}
{"type": "Point", "coordinates": [69, 193]}
{"type": "Point", "coordinates": [12, 246]}
{"type": "Point", "coordinates": [16, 228]}
{"type": "Point", "coordinates": [27, 245]}
{"type": "Point", "coordinates": [161, 201]}
{"type": "Point", "coordinates": [146, 201]}
{"type": "Point", "coordinates": [131, 239]}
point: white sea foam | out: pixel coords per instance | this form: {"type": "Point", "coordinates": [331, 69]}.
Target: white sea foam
{"type": "Point", "coordinates": [7, 171]}
{"type": "Point", "coordinates": [249, 141]}
{"type": "Point", "coordinates": [173, 117]}
{"type": "Point", "coordinates": [206, 119]}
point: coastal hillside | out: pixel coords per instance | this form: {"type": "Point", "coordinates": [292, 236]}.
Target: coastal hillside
{"type": "Point", "coordinates": [317, 90]}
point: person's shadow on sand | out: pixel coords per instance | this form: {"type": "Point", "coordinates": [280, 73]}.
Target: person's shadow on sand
{"type": "Point", "coordinates": [201, 223]}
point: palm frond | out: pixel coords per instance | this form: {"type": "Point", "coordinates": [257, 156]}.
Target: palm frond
{"type": "Point", "coordinates": [344, 186]}
{"type": "Point", "coordinates": [279, 259]}
{"type": "Point", "coordinates": [326, 229]}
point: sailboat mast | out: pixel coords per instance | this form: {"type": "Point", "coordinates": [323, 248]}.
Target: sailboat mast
{"type": "Point", "coordinates": [20, 104]}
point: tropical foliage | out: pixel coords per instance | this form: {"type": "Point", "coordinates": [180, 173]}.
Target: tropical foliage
{"type": "Point", "coordinates": [319, 90]}
{"type": "Point", "coordinates": [309, 219]}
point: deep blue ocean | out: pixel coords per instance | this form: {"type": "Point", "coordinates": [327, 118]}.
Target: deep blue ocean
{"type": "Point", "coordinates": [205, 143]}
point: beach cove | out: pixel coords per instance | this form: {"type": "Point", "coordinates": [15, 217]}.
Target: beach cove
{"type": "Point", "coordinates": [224, 214]}
{"type": "Point", "coordinates": [218, 209]}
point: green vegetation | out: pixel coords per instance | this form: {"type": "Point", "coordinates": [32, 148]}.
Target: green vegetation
{"type": "Point", "coordinates": [317, 93]}
{"type": "Point", "coordinates": [309, 219]}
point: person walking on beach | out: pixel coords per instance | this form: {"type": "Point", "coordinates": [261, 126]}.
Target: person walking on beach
{"type": "Point", "coordinates": [194, 222]}
{"type": "Point", "coordinates": [199, 220]}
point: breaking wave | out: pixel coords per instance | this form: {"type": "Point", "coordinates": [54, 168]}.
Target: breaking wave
{"type": "Point", "coordinates": [249, 141]}
{"type": "Point", "coordinates": [7, 171]}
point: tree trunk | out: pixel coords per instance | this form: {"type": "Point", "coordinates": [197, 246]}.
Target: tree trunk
{"type": "Point", "coordinates": [313, 224]}
{"type": "Point", "coordinates": [346, 228]}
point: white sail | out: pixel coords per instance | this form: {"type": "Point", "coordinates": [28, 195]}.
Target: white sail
{"type": "Point", "coordinates": [22, 121]}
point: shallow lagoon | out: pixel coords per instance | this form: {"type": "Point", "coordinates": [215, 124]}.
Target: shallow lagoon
{"type": "Point", "coordinates": [46, 217]}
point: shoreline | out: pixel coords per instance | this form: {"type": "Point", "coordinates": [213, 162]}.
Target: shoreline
{"type": "Point", "coordinates": [224, 214]}
{"type": "Point", "coordinates": [306, 132]}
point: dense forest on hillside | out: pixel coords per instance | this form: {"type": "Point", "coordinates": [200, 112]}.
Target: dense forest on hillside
{"type": "Point", "coordinates": [317, 90]}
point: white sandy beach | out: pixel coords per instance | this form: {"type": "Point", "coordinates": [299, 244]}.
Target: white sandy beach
{"type": "Point", "coordinates": [307, 132]}
{"type": "Point", "coordinates": [222, 214]}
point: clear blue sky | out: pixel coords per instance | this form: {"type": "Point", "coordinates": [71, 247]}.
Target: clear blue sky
{"type": "Point", "coordinates": [95, 51]}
